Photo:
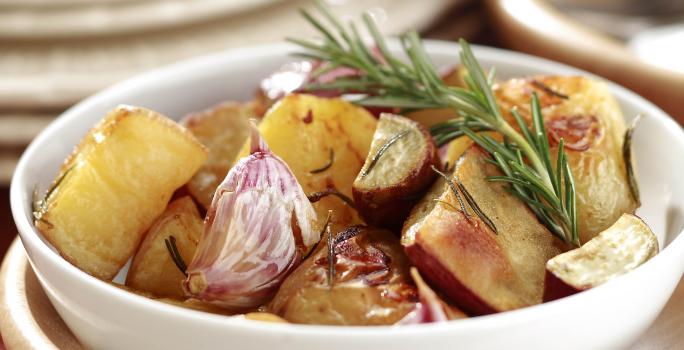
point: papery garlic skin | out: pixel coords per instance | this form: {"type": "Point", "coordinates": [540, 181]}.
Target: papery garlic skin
{"type": "Point", "coordinates": [430, 308]}
{"type": "Point", "coordinates": [249, 246]}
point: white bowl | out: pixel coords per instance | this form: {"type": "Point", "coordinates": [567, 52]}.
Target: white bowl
{"type": "Point", "coordinates": [103, 316]}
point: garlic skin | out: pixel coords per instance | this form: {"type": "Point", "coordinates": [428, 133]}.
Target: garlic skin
{"type": "Point", "coordinates": [258, 227]}
{"type": "Point", "coordinates": [430, 308]}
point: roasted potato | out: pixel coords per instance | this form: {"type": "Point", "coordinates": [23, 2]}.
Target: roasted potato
{"type": "Point", "coordinates": [115, 184]}
{"type": "Point", "coordinates": [264, 317]}
{"type": "Point", "coordinates": [223, 129]}
{"type": "Point", "coordinates": [397, 171]}
{"type": "Point", "coordinates": [370, 285]}
{"type": "Point", "coordinates": [585, 114]}
{"type": "Point", "coordinates": [325, 142]}
{"type": "Point", "coordinates": [152, 269]}
{"type": "Point", "coordinates": [485, 263]}
{"type": "Point", "coordinates": [621, 248]}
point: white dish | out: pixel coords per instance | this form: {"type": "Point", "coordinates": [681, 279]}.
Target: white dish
{"type": "Point", "coordinates": [103, 316]}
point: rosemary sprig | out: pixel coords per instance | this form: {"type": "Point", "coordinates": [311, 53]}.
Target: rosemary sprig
{"type": "Point", "coordinates": [524, 156]}
{"type": "Point", "coordinates": [627, 156]}
{"type": "Point", "coordinates": [317, 196]}
{"type": "Point", "coordinates": [382, 151]}
{"type": "Point", "coordinates": [40, 206]}
{"type": "Point", "coordinates": [175, 254]}
{"type": "Point", "coordinates": [454, 190]}
{"type": "Point", "coordinates": [331, 160]}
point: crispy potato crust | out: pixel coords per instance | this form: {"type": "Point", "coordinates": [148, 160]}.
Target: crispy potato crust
{"type": "Point", "coordinates": [114, 185]}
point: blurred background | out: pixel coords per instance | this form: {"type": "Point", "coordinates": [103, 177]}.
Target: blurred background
{"type": "Point", "coordinates": [54, 53]}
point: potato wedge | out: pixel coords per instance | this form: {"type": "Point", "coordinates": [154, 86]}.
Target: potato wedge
{"type": "Point", "coordinates": [152, 269]}
{"type": "Point", "coordinates": [621, 248]}
{"type": "Point", "coordinates": [397, 171]}
{"type": "Point", "coordinates": [223, 129]}
{"type": "Point", "coordinates": [115, 184]}
{"type": "Point", "coordinates": [305, 131]}
{"type": "Point", "coordinates": [585, 114]}
{"type": "Point", "coordinates": [371, 283]}
{"type": "Point", "coordinates": [482, 270]}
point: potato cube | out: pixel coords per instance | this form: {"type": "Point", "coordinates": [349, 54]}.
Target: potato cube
{"type": "Point", "coordinates": [115, 184]}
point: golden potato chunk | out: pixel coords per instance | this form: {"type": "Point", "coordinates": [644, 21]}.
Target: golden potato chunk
{"type": "Point", "coordinates": [223, 129]}
{"type": "Point", "coordinates": [325, 142]}
{"type": "Point", "coordinates": [585, 114]}
{"type": "Point", "coordinates": [152, 269]}
{"type": "Point", "coordinates": [115, 184]}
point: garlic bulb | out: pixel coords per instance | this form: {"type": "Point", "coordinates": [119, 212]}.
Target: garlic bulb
{"type": "Point", "coordinates": [258, 227]}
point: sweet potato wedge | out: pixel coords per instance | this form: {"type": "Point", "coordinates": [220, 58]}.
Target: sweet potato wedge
{"type": "Point", "coordinates": [223, 129]}
{"type": "Point", "coordinates": [397, 171]}
{"type": "Point", "coordinates": [152, 269]}
{"type": "Point", "coordinates": [370, 286]}
{"type": "Point", "coordinates": [621, 248]}
{"type": "Point", "coordinates": [115, 184]}
{"type": "Point", "coordinates": [482, 267]}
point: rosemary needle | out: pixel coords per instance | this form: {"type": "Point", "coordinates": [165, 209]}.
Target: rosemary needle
{"type": "Point", "coordinates": [382, 151]}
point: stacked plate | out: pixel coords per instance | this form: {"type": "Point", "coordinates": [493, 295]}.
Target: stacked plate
{"type": "Point", "coordinates": [56, 52]}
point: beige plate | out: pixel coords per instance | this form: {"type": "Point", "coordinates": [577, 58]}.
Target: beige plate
{"type": "Point", "coordinates": [57, 73]}
{"type": "Point", "coordinates": [80, 18]}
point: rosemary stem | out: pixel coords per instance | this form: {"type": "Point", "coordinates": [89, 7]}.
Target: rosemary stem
{"type": "Point", "coordinates": [508, 131]}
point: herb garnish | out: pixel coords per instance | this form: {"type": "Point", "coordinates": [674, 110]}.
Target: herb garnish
{"type": "Point", "coordinates": [469, 199]}
{"type": "Point", "coordinates": [541, 86]}
{"type": "Point", "coordinates": [39, 206]}
{"type": "Point", "coordinates": [525, 159]}
{"type": "Point", "coordinates": [382, 151]}
{"type": "Point", "coordinates": [317, 196]}
{"type": "Point", "coordinates": [453, 190]}
{"type": "Point", "coordinates": [331, 160]}
{"type": "Point", "coordinates": [175, 255]}
{"type": "Point", "coordinates": [627, 156]}
{"type": "Point", "coordinates": [476, 208]}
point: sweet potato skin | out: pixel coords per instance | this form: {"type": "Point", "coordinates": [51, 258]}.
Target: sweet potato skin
{"type": "Point", "coordinates": [481, 271]}
{"type": "Point", "coordinates": [555, 288]}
